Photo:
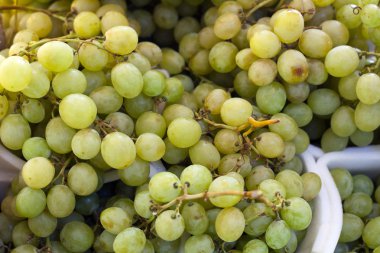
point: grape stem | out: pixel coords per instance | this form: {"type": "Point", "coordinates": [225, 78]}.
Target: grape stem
{"type": "Point", "coordinates": [258, 6]}
{"type": "Point", "coordinates": [30, 9]}
{"type": "Point", "coordinates": [256, 194]}
{"type": "Point", "coordinates": [61, 172]}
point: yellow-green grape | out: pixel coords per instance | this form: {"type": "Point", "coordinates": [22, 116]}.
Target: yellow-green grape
{"type": "Point", "coordinates": [227, 26]}
{"type": "Point", "coordinates": [115, 220]}
{"type": "Point", "coordinates": [82, 179]}
{"type": "Point", "coordinates": [370, 232]}
{"type": "Point", "coordinates": [189, 45]}
{"type": "Point", "coordinates": [92, 57]}
{"type": "Point", "coordinates": [228, 141]}
{"type": "Point", "coordinates": [337, 31]}
{"type": "Point", "coordinates": [306, 7]}
{"type": "Point", "coordinates": [262, 72]}
{"type": "Point", "coordinates": [288, 25]}
{"type": "Point", "coordinates": [14, 131]}
{"type": "Point", "coordinates": [85, 5]}
{"type": "Point", "coordinates": [198, 177]}
{"type": "Point", "coordinates": [169, 225]}
{"type": "Point", "coordinates": [4, 106]}
{"type": "Point", "coordinates": [25, 36]}
{"type": "Point", "coordinates": [172, 61]}
{"type": "Point", "coordinates": [225, 184]}
{"type": "Point", "coordinates": [69, 82]}
{"type": "Point", "coordinates": [130, 240]}
{"type": "Point", "coordinates": [210, 16]}
{"type": "Point", "coordinates": [230, 224]}
{"type": "Point", "coordinates": [361, 139]}
{"type": "Point", "coordinates": [184, 132]}
{"type": "Point", "coordinates": [323, 3]}
{"type": "Point", "coordinates": [15, 73]}
{"type": "Point", "coordinates": [245, 58]}
{"type": "Point", "coordinates": [243, 86]}
{"type": "Point", "coordinates": [368, 88]}
{"type": "Point", "coordinates": [215, 100]}
{"type": "Point", "coordinates": [109, 7]}
{"type": "Point", "coordinates": [40, 23]}
{"type": "Point", "coordinates": [311, 185]}
{"type": "Point", "coordinates": [270, 145]}
{"type": "Point", "coordinates": [236, 111]}
{"type": "Point", "coordinates": [315, 43]}
{"type": "Point", "coordinates": [118, 150]}
{"type": "Point", "coordinates": [347, 15]}
{"type": "Point", "coordinates": [112, 19]}
{"type": "Point", "coordinates": [256, 28]}
{"type": "Point", "coordinates": [199, 63]}
{"type": "Point", "coordinates": [343, 121]}
{"type": "Point", "coordinates": [352, 228]}
{"type": "Point", "coordinates": [165, 16]}
{"type": "Point", "coordinates": [151, 51]}
{"type": "Point", "coordinates": [127, 80]}
{"type": "Point", "coordinates": [185, 26]}
{"type": "Point", "coordinates": [222, 57]}
{"type": "Point", "coordinates": [370, 15]}
{"type": "Point", "coordinates": [207, 38]}
{"type": "Point", "coordinates": [265, 44]}
{"type": "Point", "coordinates": [121, 40]}
{"type": "Point", "coordinates": [86, 25]}
{"type": "Point", "coordinates": [292, 66]}
{"type": "Point", "coordinates": [38, 172]}
{"type": "Point", "coordinates": [197, 154]}
{"type": "Point", "coordinates": [55, 56]}
{"type": "Point", "coordinates": [229, 7]}
{"type": "Point", "coordinates": [367, 116]}
{"type": "Point", "coordinates": [332, 142]}
{"type": "Point", "coordinates": [164, 187]}
{"type": "Point", "coordinates": [150, 147]}
{"type": "Point", "coordinates": [341, 61]}
{"type": "Point", "coordinates": [317, 72]}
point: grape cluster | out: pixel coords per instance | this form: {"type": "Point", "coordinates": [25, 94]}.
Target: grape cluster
{"type": "Point", "coordinates": [226, 94]}
{"type": "Point", "coordinates": [361, 206]}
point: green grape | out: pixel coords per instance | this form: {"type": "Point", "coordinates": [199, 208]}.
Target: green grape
{"type": "Point", "coordinates": [255, 246]}
{"type": "Point", "coordinates": [278, 234]}
{"type": "Point", "coordinates": [215, 99]}
{"type": "Point", "coordinates": [341, 60]}
{"type": "Point", "coordinates": [337, 31]}
{"type": "Point", "coordinates": [25, 248]}
{"type": "Point", "coordinates": [363, 183]}
{"type": "Point", "coordinates": [174, 155]}
{"type": "Point", "coordinates": [297, 93]}
{"type": "Point", "coordinates": [366, 116]}
{"type": "Point", "coordinates": [77, 111]}
{"type": "Point", "coordinates": [288, 25]}
{"type": "Point", "coordinates": [323, 101]}
{"type": "Point", "coordinates": [202, 90]}
{"type": "Point", "coordinates": [165, 16]}
{"type": "Point", "coordinates": [6, 227]}
{"type": "Point", "coordinates": [286, 127]}
{"type": "Point", "coordinates": [370, 232]}
{"type": "Point", "coordinates": [38, 86]}
{"type": "Point", "coordinates": [14, 131]}
{"type": "Point", "coordinates": [236, 111]}
{"type": "Point", "coordinates": [122, 122]}
{"type": "Point", "coordinates": [186, 81]}
{"type": "Point", "coordinates": [293, 66]}
{"type": "Point", "coordinates": [347, 86]}
{"type": "Point", "coordinates": [332, 142]}
{"type": "Point", "coordinates": [228, 141]}
{"type": "Point", "coordinates": [307, 8]}
{"type": "Point", "coordinates": [15, 73]}
{"type": "Point", "coordinates": [262, 72]}
{"type": "Point", "coordinates": [186, 25]}
{"type": "Point", "coordinates": [222, 57]}
{"type": "Point", "coordinates": [82, 179]}
{"type": "Point", "coordinates": [55, 56]}
{"type": "Point", "coordinates": [311, 185]}
{"type": "Point", "coordinates": [291, 246]}
{"type": "Point", "coordinates": [225, 184]}
{"type": "Point", "coordinates": [107, 99]}
{"type": "Point", "coordinates": [343, 122]}
{"type": "Point", "coordinates": [270, 144]}
{"type": "Point", "coordinates": [111, 19]}
{"type": "Point", "coordinates": [347, 16]}
{"type": "Point", "coordinates": [173, 90]}
{"type": "Point", "coordinates": [377, 194]}
{"type": "Point", "coordinates": [43, 225]}
{"type": "Point", "coordinates": [297, 214]}
{"type": "Point", "coordinates": [4, 106]}
{"type": "Point", "coordinates": [271, 188]}
{"type": "Point", "coordinates": [104, 242]}
{"type": "Point", "coordinates": [135, 174]}
{"type": "Point", "coordinates": [317, 72]}
{"type": "Point", "coordinates": [184, 132]}
{"type": "Point", "coordinates": [86, 24]}
{"type": "Point", "coordinates": [199, 244]}
{"type": "Point", "coordinates": [368, 88]}
{"type": "Point", "coordinates": [315, 43]}
{"type": "Point", "coordinates": [40, 23]}
{"type": "Point", "coordinates": [189, 46]}
{"type": "Point", "coordinates": [59, 136]}
{"type": "Point", "coordinates": [115, 220]}
{"type": "Point", "coordinates": [265, 44]}
{"type": "Point", "coordinates": [343, 181]}
{"type": "Point", "coordinates": [292, 182]}
{"type": "Point", "coordinates": [33, 110]}
{"type": "Point", "coordinates": [87, 205]}
{"type": "Point", "coordinates": [94, 79]}
{"type": "Point", "coordinates": [38, 172]}
{"type": "Point", "coordinates": [172, 61]}
{"type": "Point", "coordinates": [164, 187]}
{"type": "Point", "coordinates": [21, 234]}
{"type": "Point", "coordinates": [30, 202]}
{"type": "Point", "coordinates": [137, 105]}
{"type": "Point", "coordinates": [154, 83]}
{"type": "Point", "coordinates": [68, 82]}
{"type": "Point", "coordinates": [86, 143]}
{"type": "Point", "coordinates": [361, 139]}
{"type": "Point", "coordinates": [127, 80]}
{"type": "Point", "coordinates": [76, 236]}
{"type": "Point", "coordinates": [195, 218]}
{"type": "Point", "coordinates": [244, 59]}
{"type": "Point", "coordinates": [121, 40]}
{"type": "Point", "coordinates": [25, 36]}
{"type": "Point", "coordinates": [271, 98]}
{"type": "Point", "coordinates": [169, 225]}
{"type": "Point", "coordinates": [92, 57]}
{"type": "Point", "coordinates": [162, 246]}
{"type": "Point", "coordinates": [128, 206]}
{"type": "Point", "coordinates": [212, 214]}
{"type": "Point", "coordinates": [197, 177]}
{"type": "Point", "coordinates": [150, 147]}
{"type": "Point", "coordinates": [227, 25]}
{"type": "Point", "coordinates": [300, 112]}
{"type": "Point", "coordinates": [205, 153]}
{"type": "Point", "coordinates": [369, 15]}
{"type": "Point", "coordinates": [257, 175]}
{"type": "Point", "coordinates": [230, 224]}
{"type": "Point", "coordinates": [175, 111]}
{"type": "Point", "coordinates": [358, 203]}
{"type": "Point", "coordinates": [142, 204]}
{"type": "Point", "coordinates": [118, 150]}
{"type": "Point", "coordinates": [60, 201]}
{"type": "Point", "coordinates": [150, 51]}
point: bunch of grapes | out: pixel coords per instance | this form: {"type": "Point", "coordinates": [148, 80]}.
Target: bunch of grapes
{"type": "Point", "coordinates": [361, 217]}
{"type": "Point", "coordinates": [226, 94]}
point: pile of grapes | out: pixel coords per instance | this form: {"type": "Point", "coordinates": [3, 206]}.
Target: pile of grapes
{"type": "Point", "coordinates": [226, 94]}
{"type": "Point", "coordinates": [361, 207]}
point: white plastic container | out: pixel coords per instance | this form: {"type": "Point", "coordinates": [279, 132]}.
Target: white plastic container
{"type": "Point", "coordinates": [358, 160]}
{"type": "Point", "coordinates": [322, 234]}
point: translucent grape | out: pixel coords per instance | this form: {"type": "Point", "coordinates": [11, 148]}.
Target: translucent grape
{"type": "Point", "coordinates": [370, 15]}
{"type": "Point", "coordinates": [184, 132]}
{"type": "Point", "coordinates": [76, 236]}
{"type": "Point", "coordinates": [55, 56]}
{"type": "Point", "coordinates": [227, 26]}
{"type": "Point", "coordinates": [343, 122]}
{"type": "Point", "coordinates": [271, 98]}
{"type": "Point", "coordinates": [198, 177]}
{"type": "Point", "coordinates": [265, 44]}
{"type": "Point", "coordinates": [38, 172]}
{"type": "Point", "coordinates": [129, 240]}
{"type": "Point", "coordinates": [315, 43]}
{"type": "Point", "coordinates": [15, 73]}
{"type": "Point", "coordinates": [366, 116]}
{"type": "Point", "coordinates": [225, 184]}
{"type": "Point", "coordinates": [199, 243]}
{"type": "Point", "coordinates": [115, 220]}
{"type": "Point", "coordinates": [229, 224]}
{"type": "Point", "coordinates": [358, 203]}
{"type": "Point", "coordinates": [135, 174]}
{"type": "Point", "coordinates": [298, 214]}
{"type": "Point", "coordinates": [292, 66]}
{"type": "Point", "coordinates": [170, 225]}
{"type": "Point", "coordinates": [262, 72]}
{"type": "Point", "coordinates": [204, 153]}
{"type": "Point", "coordinates": [82, 179]}
{"type": "Point", "coordinates": [311, 185]}
{"type": "Point", "coordinates": [288, 25]}
{"type": "Point", "coordinates": [127, 80]}
{"type": "Point", "coordinates": [292, 182]}
{"type": "Point", "coordinates": [14, 131]}
{"type": "Point", "coordinates": [40, 23]}
{"type": "Point", "coordinates": [33, 110]}
{"type": "Point", "coordinates": [86, 24]}
{"type": "Point", "coordinates": [30, 202]}
{"type": "Point", "coordinates": [235, 111]}
{"type": "Point", "coordinates": [68, 82]}
{"type": "Point", "coordinates": [195, 218]}
{"type": "Point", "coordinates": [368, 88]}
{"type": "Point", "coordinates": [341, 61]}
{"type": "Point", "coordinates": [332, 142]}
{"type": "Point", "coordinates": [35, 147]}
{"type": "Point", "coordinates": [278, 234]}
{"type": "Point", "coordinates": [323, 101]}
{"type": "Point", "coordinates": [222, 57]}
{"type": "Point", "coordinates": [121, 40]}
{"type": "Point", "coordinates": [43, 225]}
{"type": "Point", "coordinates": [256, 246]}
{"type": "Point", "coordinates": [164, 187]}
{"type": "Point", "coordinates": [118, 150]}
{"type": "Point", "coordinates": [270, 144]}
{"type": "Point", "coordinates": [370, 232]}
{"type": "Point", "coordinates": [352, 228]}
{"type": "Point", "coordinates": [92, 57]}
{"type": "Point", "coordinates": [60, 201]}
{"type": "Point", "coordinates": [58, 135]}
{"type": "Point", "coordinates": [86, 143]}
{"type": "Point", "coordinates": [343, 181]}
